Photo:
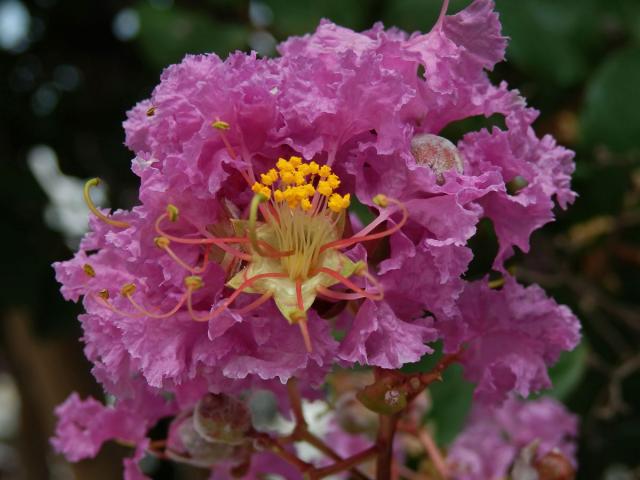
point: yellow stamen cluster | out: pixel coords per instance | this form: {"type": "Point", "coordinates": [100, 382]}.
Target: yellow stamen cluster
{"type": "Point", "coordinates": [295, 184]}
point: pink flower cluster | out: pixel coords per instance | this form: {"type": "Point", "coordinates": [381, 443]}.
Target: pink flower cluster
{"type": "Point", "coordinates": [165, 323]}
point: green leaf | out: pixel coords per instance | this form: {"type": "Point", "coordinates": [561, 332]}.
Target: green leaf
{"type": "Point", "coordinates": [551, 40]}
{"type": "Point", "coordinates": [610, 114]}
{"type": "Point", "coordinates": [451, 404]}
{"type": "Point", "coordinates": [166, 36]}
{"type": "Point", "coordinates": [568, 372]}
{"type": "Point", "coordinates": [303, 16]}
{"type": "Point", "coordinates": [417, 15]}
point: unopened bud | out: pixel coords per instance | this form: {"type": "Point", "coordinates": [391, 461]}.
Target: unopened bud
{"type": "Point", "coordinates": [186, 445]}
{"type": "Point", "coordinates": [382, 398]}
{"type": "Point", "coordinates": [437, 153]}
{"type": "Point", "coordinates": [555, 466]}
{"type": "Point", "coordinates": [221, 418]}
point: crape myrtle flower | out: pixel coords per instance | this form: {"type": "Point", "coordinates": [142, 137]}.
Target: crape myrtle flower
{"type": "Point", "coordinates": [495, 441]}
{"type": "Point", "coordinates": [241, 264]}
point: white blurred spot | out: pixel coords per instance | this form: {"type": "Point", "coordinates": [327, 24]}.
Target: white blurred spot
{"type": "Point", "coordinates": [44, 100]}
{"type": "Point", "coordinates": [14, 24]}
{"type": "Point", "coordinates": [66, 77]}
{"type": "Point", "coordinates": [9, 407]}
{"type": "Point", "coordinates": [66, 211]}
{"type": "Point", "coordinates": [260, 14]}
{"type": "Point", "coordinates": [262, 42]}
{"type": "Point", "coordinates": [126, 24]}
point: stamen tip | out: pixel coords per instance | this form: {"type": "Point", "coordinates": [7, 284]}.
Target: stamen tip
{"type": "Point", "coordinates": [381, 200]}
{"type": "Point", "coordinates": [128, 289]}
{"type": "Point", "coordinates": [89, 270]}
{"type": "Point", "coordinates": [172, 212]}
{"type": "Point", "coordinates": [193, 282]}
{"type": "Point", "coordinates": [220, 125]}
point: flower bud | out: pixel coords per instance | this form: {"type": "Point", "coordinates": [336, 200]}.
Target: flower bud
{"type": "Point", "coordinates": [221, 418]}
{"type": "Point", "coordinates": [437, 153]}
{"type": "Point", "coordinates": [186, 445]}
{"type": "Point", "coordinates": [554, 466]}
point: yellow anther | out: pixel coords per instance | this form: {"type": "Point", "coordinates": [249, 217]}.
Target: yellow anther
{"type": "Point", "coordinates": [324, 188]}
{"type": "Point", "coordinates": [266, 191]}
{"type": "Point", "coordinates": [305, 204]}
{"type": "Point", "coordinates": [161, 242]}
{"type": "Point", "coordinates": [338, 203]}
{"type": "Point", "coordinates": [151, 111]}
{"type": "Point", "coordinates": [256, 187]}
{"type": "Point", "coordinates": [193, 282]}
{"type": "Point", "coordinates": [309, 189]}
{"type": "Point", "coordinates": [284, 166]}
{"type": "Point", "coordinates": [128, 289]}
{"type": "Point", "coordinates": [104, 294]}
{"type": "Point", "coordinates": [304, 169]}
{"type": "Point", "coordinates": [88, 269]}
{"type": "Point", "coordinates": [220, 125]}
{"type": "Point", "coordinates": [334, 181]}
{"type": "Point", "coordinates": [87, 198]}
{"type": "Point", "coordinates": [300, 180]}
{"type": "Point", "coordinates": [314, 168]}
{"type": "Point", "coordinates": [172, 212]}
{"type": "Point", "coordinates": [287, 177]}
{"type": "Point", "coordinates": [270, 177]}
{"type": "Point", "coordinates": [381, 200]}
{"type": "Point", "coordinates": [295, 161]}
{"type": "Point", "coordinates": [324, 171]}
{"type": "Point", "coordinates": [278, 195]}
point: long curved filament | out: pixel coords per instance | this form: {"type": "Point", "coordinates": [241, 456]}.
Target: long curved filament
{"type": "Point", "coordinates": [357, 238]}
{"type": "Point", "coordinates": [265, 297]}
{"type": "Point", "coordinates": [185, 265]}
{"type": "Point", "coordinates": [147, 313]}
{"type": "Point", "coordinates": [87, 199]}
{"type": "Point", "coordinates": [114, 309]}
{"type": "Point", "coordinates": [246, 284]}
{"type": "Point", "coordinates": [218, 242]}
{"type": "Point", "coordinates": [348, 283]}
{"type": "Point", "coordinates": [334, 295]}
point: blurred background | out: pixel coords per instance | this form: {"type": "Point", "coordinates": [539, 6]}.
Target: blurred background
{"type": "Point", "coordinates": [71, 69]}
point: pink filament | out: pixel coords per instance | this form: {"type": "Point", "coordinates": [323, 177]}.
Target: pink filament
{"type": "Point", "coordinates": [255, 304]}
{"type": "Point", "coordinates": [147, 313]}
{"type": "Point", "coordinates": [219, 242]}
{"type": "Point", "coordinates": [348, 283]}
{"type": "Point", "coordinates": [246, 284]}
{"type": "Point", "coordinates": [357, 238]}
{"type": "Point", "coordinates": [183, 264]}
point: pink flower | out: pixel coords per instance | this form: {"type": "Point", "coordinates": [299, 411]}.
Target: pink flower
{"type": "Point", "coordinates": [493, 439]}
{"type": "Point", "coordinates": [240, 265]}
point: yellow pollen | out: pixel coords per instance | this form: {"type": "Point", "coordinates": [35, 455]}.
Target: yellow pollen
{"type": "Point", "coordinates": [324, 188]}
{"type": "Point", "coordinates": [338, 203]}
{"type": "Point", "coordinates": [324, 171]}
{"type": "Point", "coordinates": [88, 269]}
